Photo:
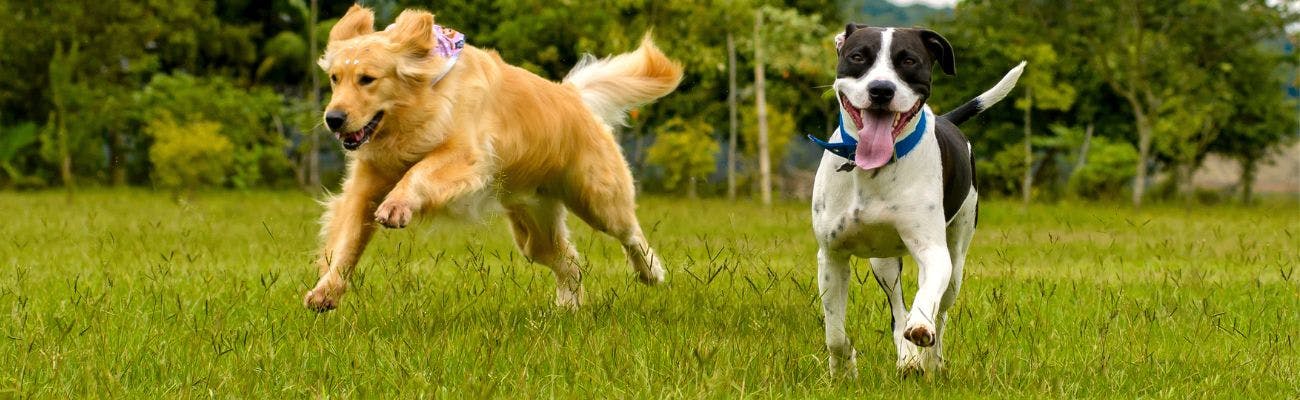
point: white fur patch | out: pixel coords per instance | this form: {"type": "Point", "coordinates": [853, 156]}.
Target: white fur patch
{"type": "Point", "coordinates": [1000, 91]}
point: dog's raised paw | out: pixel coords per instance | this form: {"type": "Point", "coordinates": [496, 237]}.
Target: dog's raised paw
{"type": "Point", "coordinates": [394, 214]}
{"type": "Point", "coordinates": [920, 335]}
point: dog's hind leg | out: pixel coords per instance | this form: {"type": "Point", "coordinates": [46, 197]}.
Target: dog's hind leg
{"type": "Point", "coordinates": [888, 273]}
{"type": "Point", "coordinates": [832, 283]}
{"type": "Point", "coordinates": [600, 191]}
{"type": "Point", "coordinates": [541, 235]}
{"type": "Point", "coordinates": [960, 232]}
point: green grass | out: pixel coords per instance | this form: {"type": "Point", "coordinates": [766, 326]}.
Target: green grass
{"type": "Point", "coordinates": [127, 294]}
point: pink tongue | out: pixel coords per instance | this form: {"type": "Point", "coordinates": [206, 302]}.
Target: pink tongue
{"type": "Point", "coordinates": [875, 141]}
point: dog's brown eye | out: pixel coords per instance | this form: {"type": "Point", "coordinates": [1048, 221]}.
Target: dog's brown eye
{"type": "Point", "coordinates": [909, 61]}
{"type": "Point", "coordinates": [366, 80]}
{"type": "Point", "coordinates": [857, 58]}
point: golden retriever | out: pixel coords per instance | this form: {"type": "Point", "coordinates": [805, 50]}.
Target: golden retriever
{"type": "Point", "coordinates": [424, 130]}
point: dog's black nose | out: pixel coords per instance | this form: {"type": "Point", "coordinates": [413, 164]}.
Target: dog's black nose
{"type": "Point", "coordinates": [335, 119]}
{"type": "Point", "coordinates": [880, 91]}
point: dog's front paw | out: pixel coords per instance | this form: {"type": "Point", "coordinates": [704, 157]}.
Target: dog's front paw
{"type": "Point", "coordinates": [395, 212]}
{"type": "Point", "coordinates": [844, 367]}
{"type": "Point", "coordinates": [920, 333]}
{"type": "Point", "coordinates": [323, 298]}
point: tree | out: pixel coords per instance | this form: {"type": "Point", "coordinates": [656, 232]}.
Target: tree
{"type": "Point", "coordinates": [685, 150]}
{"type": "Point", "coordinates": [731, 117]}
{"type": "Point", "coordinates": [63, 88]}
{"type": "Point", "coordinates": [312, 168]}
{"type": "Point", "coordinates": [1044, 90]}
{"type": "Point", "coordinates": [794, 46]}
{"type": "Point", "coordinates": [781, 126]}
{"type": "Point", "coordinates": [760, 109]}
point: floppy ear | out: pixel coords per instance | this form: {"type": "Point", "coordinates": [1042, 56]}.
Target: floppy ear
{"type": "Point", "coordinates": [941, 50]}
{"type": "Point", "coordinates": [848, 30]}
{"type": "Point", "coordinates": [358, 21]}
{"type": "Point", "coordinates": [413, 33]}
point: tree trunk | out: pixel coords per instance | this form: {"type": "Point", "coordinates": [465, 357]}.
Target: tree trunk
{"type": "Point", "coordinates": [1027, 189]}
{"type": "Point", "coordinates": [760, 81]}
{"type": "Point", "coordinates": [691, 192]}
{"type": "Point", "coordinates": [1248, 169]}
{"type": "Point", "coordinates": [1184, 174]}
{"type": "Point", "coordinates": [313, 98]}
{"type": "Point", "coordinates": [65, 164]}
{"type": "Point", "coordinates": [1083, 150]}
{"type": "Point", "coordinates": [116, 158]}
{"type": "Point", "coordinates": [731, 110]}
{"type": "Point", "coordinates": [1144, 155]}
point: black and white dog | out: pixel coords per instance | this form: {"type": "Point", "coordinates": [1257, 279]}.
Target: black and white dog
{"type": "Point", "coordinates": [896, 179]}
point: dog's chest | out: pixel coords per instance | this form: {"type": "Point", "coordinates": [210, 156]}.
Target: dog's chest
{"type": "Point", "coordinates": [861, 211]}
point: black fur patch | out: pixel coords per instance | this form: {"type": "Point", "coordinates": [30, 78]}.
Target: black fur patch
{"type": "Point", "coordinates": [958, 166]}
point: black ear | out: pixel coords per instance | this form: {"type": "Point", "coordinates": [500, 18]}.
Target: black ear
{"type": "Point", "coordinates": [848, 30]}
{"type": "Point", "coordinates": [941, 50]}
{"type": "Point", "coordinates": [852, 27]}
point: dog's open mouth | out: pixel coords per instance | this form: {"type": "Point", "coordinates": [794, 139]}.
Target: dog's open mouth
{"type": "Point", "coordinates": [877, 129]}
{"type": "Point", "coordinates": [353, 140]}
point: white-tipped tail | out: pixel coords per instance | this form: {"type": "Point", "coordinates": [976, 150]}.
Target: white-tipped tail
{"type": "Point", "coordinates": [988, 98]}
{"type": "Point", "coordinates": [999, 91]}
{"type": "Point", "coordinates": [612, 85]}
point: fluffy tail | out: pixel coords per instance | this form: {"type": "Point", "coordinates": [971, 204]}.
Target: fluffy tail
{"type": "Point", "coordinates": [987, 99]}
{"type": "Point", "coordinates": [612, 85]}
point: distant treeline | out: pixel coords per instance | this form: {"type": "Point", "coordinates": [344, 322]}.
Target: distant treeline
{"type": "Point", "coordinates": [193, 93]}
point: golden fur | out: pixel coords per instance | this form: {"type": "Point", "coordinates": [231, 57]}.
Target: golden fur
{"type": "Point", "coordinates": [539, 147]}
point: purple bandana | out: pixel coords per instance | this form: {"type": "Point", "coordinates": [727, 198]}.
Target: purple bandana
{"type": "Point", "coordinates": [450, 42]}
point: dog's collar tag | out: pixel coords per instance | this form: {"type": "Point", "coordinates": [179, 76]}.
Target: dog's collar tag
{"type": "Point", "coordinates": [848, 145]}
{"type": "Point", "coordinates": [449, 45]}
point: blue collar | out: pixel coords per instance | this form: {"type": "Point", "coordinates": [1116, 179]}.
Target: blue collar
{"type": "Point", "coordinates": [849, 145]}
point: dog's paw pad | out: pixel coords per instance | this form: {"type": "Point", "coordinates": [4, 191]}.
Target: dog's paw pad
{"type": "Point", "coordinates": [920, 335]}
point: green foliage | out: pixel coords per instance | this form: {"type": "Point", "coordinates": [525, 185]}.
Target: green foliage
{"type": "Point", "coordinates": [1002, 174]}
{"type": "Point", "coordinates": [1108, 170]}
{"type": "Point", "coordinates": [287, 51]}
{"type": "Point", "coordinates": [13, 141]}
{"type": "Point", "coordinates": [190, 155]}
{"type": "Point", "coordinates": [1189, 69]}
{"type": "Point", "coordinates": [780, 130]}
{"type": "Point", "coordinates": [685, 150]}
{"type": "Point", "coordinates": [1050, 91]}
{"type": "Point", "coordinates": [1194, 67]}
{"type": "Point", "coordinates": [247, 118]}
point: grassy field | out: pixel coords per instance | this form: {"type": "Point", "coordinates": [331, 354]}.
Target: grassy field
{"type": "Point", "coordinates": [128, 294]}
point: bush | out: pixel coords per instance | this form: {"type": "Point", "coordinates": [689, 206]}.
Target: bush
{"type": "Point", "coordinates": [1004, 173]}
{"type": "Point", "coordinates": [1109, 169]}
{"type": "Point", "coordinates": [189, 156]}
{"type": "Point", "coordinates": [247, 119]}
{"type": "Point", "coordinates": [685, 150]}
